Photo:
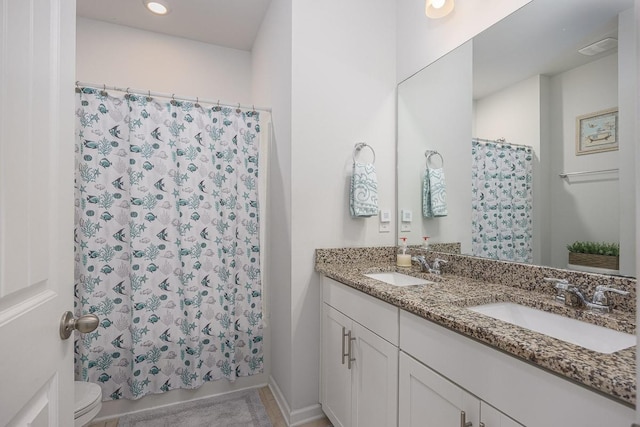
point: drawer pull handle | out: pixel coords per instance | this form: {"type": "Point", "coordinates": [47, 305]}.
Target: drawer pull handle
{"type": "Point", "coordinates": [344, 335]}
{"type": "Point", "coordinates": [350, 354]}
{"type": "Point", "coordinates": [463, 420]}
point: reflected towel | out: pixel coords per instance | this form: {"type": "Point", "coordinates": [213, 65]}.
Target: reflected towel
{"type": "Point", "coordinates": [434, 193]}
{"type": "Point", "coordinates": [363, 195]}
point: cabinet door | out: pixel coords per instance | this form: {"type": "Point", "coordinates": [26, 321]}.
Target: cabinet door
{"type": "Point", "coordinates": [491, 417]}
{"type": "Point", "coordinates": [430, 400]}
{"type": "Point", "coordinates": [375, 380]}
{"type": "Point", "coordinates": [336, 378]}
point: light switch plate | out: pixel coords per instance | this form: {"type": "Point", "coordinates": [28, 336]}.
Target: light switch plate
{"type": "Point", "coordinates": [405, 227]}
{"type": "Point", "coordinates": [407, 216]}
{"type": "Point", "coordinates": [385, 216]}
{"type": "Point", "coordinates": [384, 227]}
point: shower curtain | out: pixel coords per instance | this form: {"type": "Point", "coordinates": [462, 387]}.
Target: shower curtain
{"type": "Point", "coordinates": [167, 249]}
{"type": "Point", "coordinates": [501, 201]}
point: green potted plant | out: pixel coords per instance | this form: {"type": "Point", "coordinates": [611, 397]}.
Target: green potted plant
{"type": "Point", "coordinates": [595, 254]}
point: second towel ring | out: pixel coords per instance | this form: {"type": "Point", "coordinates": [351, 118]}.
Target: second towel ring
{"type": "Point", "coordinates": [430, 153]}
{"type": "Point", "coordinates": [359, 146]}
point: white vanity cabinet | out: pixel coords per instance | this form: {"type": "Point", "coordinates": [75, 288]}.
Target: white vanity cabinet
{"type": "Point", "coordinates": [520, 391]}
{"type": "Point", "coordinates": [359, 358]}
{"type": "Point", "coordinates": [406, 371]}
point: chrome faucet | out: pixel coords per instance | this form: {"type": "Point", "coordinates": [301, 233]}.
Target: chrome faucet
{"type": "Point", "coordinates": [572, 296]}
{"type": "Point", "coordinates": [600, 302]}
{"type": "Point", "coordinates": [437, 265]}
{"type": "Point", "coordinates": [561, 286]}
{"type": "Point", "coordinates": [424, 265]}
{"type": "Point", "coordinates": [422, 262]}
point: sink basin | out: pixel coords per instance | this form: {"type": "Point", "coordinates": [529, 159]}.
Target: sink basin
{"type": "Point", "coordinates": [593, 337]}
{"type": "Point", "coordinates": [398, 279]}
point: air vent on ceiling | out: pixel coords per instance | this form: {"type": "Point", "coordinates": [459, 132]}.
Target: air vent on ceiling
{"type": "Point", "coordinates": [599, 46]}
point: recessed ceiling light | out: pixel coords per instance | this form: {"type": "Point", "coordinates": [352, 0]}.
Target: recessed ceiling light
{"type": "Point", "coordinates": [438, 8]}
{"type": "Point", "coordinates": [157, 7]}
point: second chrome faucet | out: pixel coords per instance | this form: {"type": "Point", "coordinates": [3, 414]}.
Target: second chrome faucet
{"type": "Point", "coordinates": [572, 296]}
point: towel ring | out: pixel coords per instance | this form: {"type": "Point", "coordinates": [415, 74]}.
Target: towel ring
{"type": "Point", "coordinates": [430, 153]}
{"type": "Point", "coordinates": [359, 146]}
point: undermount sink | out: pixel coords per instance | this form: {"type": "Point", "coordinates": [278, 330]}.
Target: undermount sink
{"type": "Point", "coordinates": [593, 337]}
{"type": "Point", "coordinates": [398, 279]}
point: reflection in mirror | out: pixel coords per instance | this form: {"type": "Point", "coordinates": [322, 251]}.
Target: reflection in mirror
{"type": "Point", "coordinates": [523, 80]}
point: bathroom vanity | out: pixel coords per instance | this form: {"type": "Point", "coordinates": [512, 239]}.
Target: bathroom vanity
{"type": "Point", "coordinates": [418, 356]}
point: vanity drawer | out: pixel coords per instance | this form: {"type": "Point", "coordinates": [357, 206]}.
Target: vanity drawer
{"type": "Point", "coordinates": [377, 316]}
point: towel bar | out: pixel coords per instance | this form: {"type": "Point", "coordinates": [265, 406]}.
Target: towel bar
{"type": "Point", "coordinates": [359, 146]}
{"type": "Point", "coordinates": [567, 174]}
{"type": "Point", "coordinates": [430, 153]}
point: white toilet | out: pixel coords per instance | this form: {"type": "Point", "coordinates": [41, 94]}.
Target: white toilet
{"type": "Point", "coordinates": [88, 401]}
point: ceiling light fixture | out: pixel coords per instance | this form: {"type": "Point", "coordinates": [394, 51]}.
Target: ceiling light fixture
{"type": "Point", "coordinates": [438, 8]}
{"type": "Point", "coordinates": [156, 6]}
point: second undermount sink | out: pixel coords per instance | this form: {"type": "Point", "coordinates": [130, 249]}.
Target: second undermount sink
{"type": "Point", "coordinates": [593, 337]}
{"type": "Point", "coordinates": [398, 279]}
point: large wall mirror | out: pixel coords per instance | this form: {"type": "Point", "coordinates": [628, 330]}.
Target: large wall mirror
{"type": "Point", "coordinates": [523, 82]}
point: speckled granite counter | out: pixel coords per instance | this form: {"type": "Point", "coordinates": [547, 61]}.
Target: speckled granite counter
{"type": "Point", "coordinates": [469, 281]}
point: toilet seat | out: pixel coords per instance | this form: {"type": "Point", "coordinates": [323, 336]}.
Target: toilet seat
{"type": "Point", "coordinates": [88, 402]}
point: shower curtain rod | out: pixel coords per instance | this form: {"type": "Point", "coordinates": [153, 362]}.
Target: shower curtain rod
{"type": "Point", "coordinates": [501, 141]}
{"type": "Point", "coordinates": [170, 96]}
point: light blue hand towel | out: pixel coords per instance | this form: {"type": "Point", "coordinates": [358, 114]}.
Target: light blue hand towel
{"type": "Point", "coordinates": [363, 197]}
{"type": "Point", "coordinates": [434, 193]}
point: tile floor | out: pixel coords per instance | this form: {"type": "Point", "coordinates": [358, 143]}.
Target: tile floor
{"type": "Point", "coordinates": [269, 403]}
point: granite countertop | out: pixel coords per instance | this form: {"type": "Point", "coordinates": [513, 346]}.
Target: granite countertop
{"type": "Point", "coordinates": [444, 303]}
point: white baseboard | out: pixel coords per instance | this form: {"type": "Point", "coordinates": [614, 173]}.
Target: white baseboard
{"type": "Point", "coordinates": [299, 416]}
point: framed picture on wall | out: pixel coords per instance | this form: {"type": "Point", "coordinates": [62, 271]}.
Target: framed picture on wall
{"type": "Point", "coordinates": [597, 132]}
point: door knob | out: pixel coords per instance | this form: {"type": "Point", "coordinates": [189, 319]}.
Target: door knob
{"type": "Point", "coordinates": [84, 324]}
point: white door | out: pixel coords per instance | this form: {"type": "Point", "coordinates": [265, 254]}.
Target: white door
{"type": "Point", "coordinates": [37, 61]}
{"type": "Point", "coordinates": [429, 400]}
{"type": "Point", "coordinates": [375, 385]}
{"type": "Point", "coordinates": [336, 376]}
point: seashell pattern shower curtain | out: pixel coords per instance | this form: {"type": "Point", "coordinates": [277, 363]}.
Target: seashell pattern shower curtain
{"type": "Point", "coordinates": [167, 249]}
{"type": "Point", "coordinates": [501, 201]}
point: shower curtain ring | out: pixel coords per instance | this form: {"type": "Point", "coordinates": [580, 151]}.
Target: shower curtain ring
{"type": "Point", "coordinates": [149, 98]}
{"type": "Point", "coordinates": [78, 90]}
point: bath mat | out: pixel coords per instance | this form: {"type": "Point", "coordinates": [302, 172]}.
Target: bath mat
{"type": "Point", "coordinates": [238, 409]}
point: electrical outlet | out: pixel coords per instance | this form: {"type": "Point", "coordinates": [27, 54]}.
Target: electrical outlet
{"type": "Point", "coordinates": [405, 227]}
{"type": "Point", "coordinates": [384, 227]}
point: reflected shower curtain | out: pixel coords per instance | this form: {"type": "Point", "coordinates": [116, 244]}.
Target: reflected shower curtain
{"type": "Point", "coordinates": [501, 201]}
{"type": "Point", "coordinates": [167, 249]}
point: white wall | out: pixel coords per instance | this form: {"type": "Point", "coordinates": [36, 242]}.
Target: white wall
{"type": "Point", "coordinates": [122, 56]}
{"type": "Point", "coordinates": [343, 91]}
{"type": "Point", "coordinates": [434, 112]}
{"type": "Point", "coordinates": [126, 57]}
{"type": "Point", "coordinates": [514, 114]}
{"type": "Point", "coordinates": [421, 40]}
{"type": "Point", "coordinates": [271, 61]}
{"type": "Point", "coordinates": [582, 208]}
